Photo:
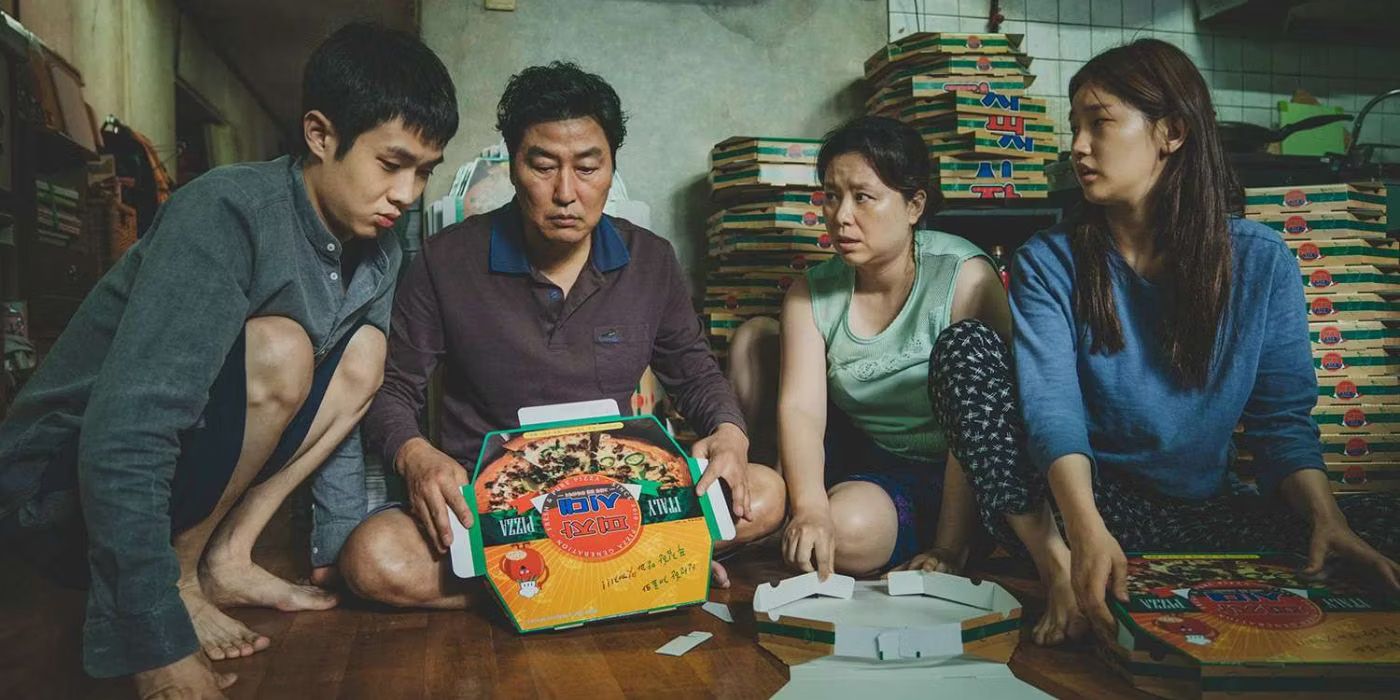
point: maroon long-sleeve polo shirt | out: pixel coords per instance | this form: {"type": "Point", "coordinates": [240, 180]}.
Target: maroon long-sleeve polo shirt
{"type": "Point", "coordinates": [507, 337]}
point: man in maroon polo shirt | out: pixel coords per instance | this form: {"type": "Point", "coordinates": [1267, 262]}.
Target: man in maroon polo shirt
{"type": "Point", "coordinates": [545, 300]}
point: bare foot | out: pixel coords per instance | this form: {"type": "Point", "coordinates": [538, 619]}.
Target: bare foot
{"type": "Point", "coordinates": [221, 636]}
{"type": "Point", "coordinates": [719, 575]}
{"type": "Point", "coordinates": [247, 584]}
{"type": "Point", "coordinates": [1062, 620]}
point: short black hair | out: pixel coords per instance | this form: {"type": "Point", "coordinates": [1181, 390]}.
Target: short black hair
{"type": "Point", "coordinates": [894, 150]}
{"type": "Point", "coordinates": [366, 74]}
{"type": "Point", "coordinates": [557, 92]}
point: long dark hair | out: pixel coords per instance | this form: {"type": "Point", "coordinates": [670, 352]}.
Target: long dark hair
{"type": "Point", "coordinates": [1190, 206]}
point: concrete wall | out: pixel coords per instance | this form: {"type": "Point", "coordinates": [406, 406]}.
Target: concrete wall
{"type": "Point", "coordinates": [690, 73]}
{"type": "Point", "coordinates": [126, 51]}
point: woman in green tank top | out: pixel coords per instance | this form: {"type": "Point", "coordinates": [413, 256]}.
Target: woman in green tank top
{"type": "Point", "coordinates": [871, 484]}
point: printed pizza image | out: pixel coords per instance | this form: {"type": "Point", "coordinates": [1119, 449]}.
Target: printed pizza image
{"type": "Point", "coordinates": [535, 465]}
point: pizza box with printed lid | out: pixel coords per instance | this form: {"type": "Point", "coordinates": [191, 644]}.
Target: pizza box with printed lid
{"type": "Point", "coordinates": [1353, 334]}
{"type": "Point", "coordinates": [774, 175]}
{"type": "Point", "coordinates": [1247, 625]}
{"type": "Point", "coordinates": [939, 43]}
{"type": "Point", "coordinates": [981, 143]}
{"type": "Point", "coordinates": [589, 518]}
{"type": "Point", "coordinates": [767, 218]}
{"type": "Point", "coordinates": [992, 189]}
{"type": "Point", "coordinates": [967, 66]}
{"type": "Point", "coordinates": [1365, 224]}
{"type": "Point", "coordinates": [1382, 253]}
{"type": "Point", "coordinates": [1357, 197]}
{"type": "Point", "coordinates": [749, 150]}
{"type": "Point", "coordinates": [990, 169]}
{"type": "Point", "coordinates": [802, 199]}
{"type": "Point", "coordinates": [1350, 464]}
{"type": "Point", "coordinates": [729, 243]}
{"type": "Point", "coordinates": [965, 105]}
{"type": "Point", "coordinates": [908, 617]}
{"type": "Point", "coordinates": [1349, 420]}
{"type": "Point", "coordinates": [890, 99]}
{"type": "Point", "coordinates": [950, 126]}
{"type": "Point", "coordinates": [1348, 363]}
{"type": "Point", "coordinates": [1352, 307]}
{"type": "Point", "coordinates": [1352, 279]}
{"type": "Point", "coordinates": [1340, 391]}
{"type": "Point", "coordinates": [769, 263]}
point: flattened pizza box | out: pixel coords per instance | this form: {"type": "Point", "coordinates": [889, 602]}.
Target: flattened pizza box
{"type": "Point", "coordinates": [769, 218]}
{"type": "Point", "coordinates": [1356, 196]}
{"type": "Point", "coordinates": [1295, 226]}
{"type": "Point", "coordinates": [950, 125]}
{"type": "Point", "coordinates": [968, 65]}
{"type": "Point", "coordinates": [1353, 334]}
{"type": "Point", "coordinates": [923, 43]}
{"type": "Point", "coordinates": [893, 97]}
{"type": "Point", "coordinates": [727, 243]}
{"type": "Point", "coordinates": [722, 323]}
{"type": "Point", "coordinates": [1350, 279]}
{"type": "Point", "coordinates": [759, 199]}
{"type": "Point", "coordinates": [1370, 391]}
{"type": "Point", "coordinates": [588, 519]}
{"type": "Point", "coordinates": [992, 188]}
{"type": "Point", "coordinates": [967, 104]}
{"type": "Point", "coordinates": [1354, 364]}
{"type": "Point", "coordinates": [982, 143]}
{"type": "Point", "coordinates": [1382, 253]}
{"type": "Point", "coordinates": [954, 168]}
{"type": "Point", "coordinates": [1354, 420]}
{"type": "Point", "coordinates": [747, 306]}
{"type": "Point", "coordinates": [768, 263]}
{"type": "Point", "coordinates": [1352, 307]}
{"type": "Point", "coordinates": [749, 150]}
{"type": "Point", "coordinates": [909, 617]}
{"type": "Point", "coordinates": [773, 175]}
{"type": "Point", "coordinates": [1246, 625]}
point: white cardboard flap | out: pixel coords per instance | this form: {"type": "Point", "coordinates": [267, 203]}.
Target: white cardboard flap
{"type": "Point", "coordinates": [985, 596]}
{"type": "Point", "coordinates": [461, 550]}
{"type": "Point", "coordinates": [724, 519]}
{"type": "Point", "coordinates": [579, 410]}
{"type": "Point", "coordinates": [768, 597]}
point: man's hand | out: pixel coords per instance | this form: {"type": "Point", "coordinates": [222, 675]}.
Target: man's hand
{"type": "Point", "coordinates": [728, 451]}
{"type": "Point", "coordinates": [434, 482]}
{"type": "Point", "coordinates": [1333, 537]}
{"type": "Point", "coordinates": [190, 677]}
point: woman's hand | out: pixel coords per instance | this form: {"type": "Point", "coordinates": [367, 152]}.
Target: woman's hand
{"type": "Point", "coordinates": [1097, 565]}
{"type": "Point", "coordinates": [938, 559]}
{"type": "Point", "coordinates": [809, 542]}
{"type": "Point", "coordinates": [1332, 537]}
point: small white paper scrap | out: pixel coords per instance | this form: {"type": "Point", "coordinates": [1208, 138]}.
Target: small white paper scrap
{"type": "Point", "coordinates": [684, 643]}
{"type": "Point", "coordinates": [719, 610]}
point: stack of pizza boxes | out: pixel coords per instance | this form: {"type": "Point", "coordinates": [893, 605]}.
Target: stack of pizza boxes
{"type": "Point", "coordinates": [965, 93]}
{"type": "Point", "coordinates": [1350, 271]}
{"type": "Point", "coordinates": [767, 230]}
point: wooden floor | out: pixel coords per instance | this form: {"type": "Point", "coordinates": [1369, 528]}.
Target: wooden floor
{"type": "Point", "coordinates": [360, 651]}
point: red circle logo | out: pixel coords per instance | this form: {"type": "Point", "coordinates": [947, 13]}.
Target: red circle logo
{"type": "Point", "coordinates": [1355, 475]}
{"type": "Point", "coordinates": [1295, 198]}
{"type": "Point", "coordinates": [818, 198]}
{"type": "Point", "coordinates": [974, 42]}
{"type": "Point", "coordinates": [1346, 390]}
{"type": "Point", "coordinates": [590, 516]}
{"type": "Point", "coordinates": [731, 302]}
{"type": "Point", "coordinates": [1255, 604]}
{"type": "Point", "coordinates": [984, 63]}
{"type": "Point", "coordinates": [983, 88]}
{"type": "Point", "coordinates": [1309, 251]}
{"type": "Point", "coordinates": [810, 219]}
{"type": "Point", "coordinates": [1295, 225]}
{"type": "Point", "coordinates": [1357, 447]}
{"type": "Point", "coordinates": [824, 241]}
{"type": "Point", "coordinates": [799, 262]}
{"type": "Point", "coordinates": [1322, 306]}
{"type": "Point", "coordinates": [794, 151]}
{"type": "Point", "coordinates": [1331, 335]}
{"type": "Point", "coordinates": [1354, 418]}
{"type": "Point", "coordinates": [1333, 361]}
{"type": "Point", "coordinates": [1321, 278]}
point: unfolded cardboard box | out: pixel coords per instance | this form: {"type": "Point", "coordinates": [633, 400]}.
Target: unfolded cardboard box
{"type": "Point", "coordinates": [1246, 625]}
{"type": "Point", "coordinates": [1320, 226]}
{"type": "Point", "coordinates": [1353, 334]}
{"type": "Point", "coordinates": [965, 105]}
{"type": "Point", "coordinates": [963, 66]}
{"type": "Point", "coordinates": [1350, 279]}
{"type": "Point", "coordinates": [991, 188]}
{"type": "Point", "coordinates": [727, 243]}
{"type": "Point", "coordinates": [743, 151]}
{"type": "Point", "coordinates": [768, 218]}
{"type": "Point", "coordinates": [951, 126]}
{"type": "Point", "coordinates": [1355, 363]}
{"type": "Point", "coordinates": [801, 199]}
{"type": "Point", "coordinates": [939, 43]}
{"type": "Point", "coordinates": [1357, 420]}
{"type": "Point", "coordinates": [587, 519]}
{"type": "Point", "coordinates": [981, 143]}
{"type": "Point", "coordinates": [893, 97]}
{"type": "Point", "coordinates": [1356, 197]}
{"type": "Point", "coordinates": [769, 175]}
{"type": "Point", "coordinates": [952, 168]}
{"type": "Point", "coordinates": [908, 617]}
{"type": "Point", "coordinates": [1342, 391]}
{"type": "Point", "coordinates": [1352, 307]}
{"type": "Point", "coordinates": [1380, 253]}
{"type": "Point", "coordinates": [768, 264]}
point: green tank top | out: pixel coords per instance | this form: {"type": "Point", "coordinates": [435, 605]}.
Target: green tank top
{"type": "Point", "coordinates": [881, 382]}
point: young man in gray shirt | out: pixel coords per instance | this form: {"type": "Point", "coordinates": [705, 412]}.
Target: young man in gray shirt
{"type": "Point", "coordinates": [223, 360]}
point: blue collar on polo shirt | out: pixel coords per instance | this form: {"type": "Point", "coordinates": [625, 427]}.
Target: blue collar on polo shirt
{"type": "Point", "coordinates": [508, 243]}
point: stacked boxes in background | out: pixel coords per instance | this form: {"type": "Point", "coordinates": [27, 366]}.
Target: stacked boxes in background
{"type": "Point", "coordinates": [965, 93]}
{"type": "Point", "coordinates": [768, 229]}
{"type": "Point", "coordinates": [59, 219]}
{"type": "Point", "coordinates": [1350, 271]}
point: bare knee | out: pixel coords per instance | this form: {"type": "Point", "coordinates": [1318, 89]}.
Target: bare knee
{"type": "Point", "coordinates": [386, 559]}
{"type": "Point", "coordinates": [279, 361]}
{"type": "Point", "coordinates": [866, 525]}
{"type": "Point", "coordinates": [361, 367]}
{"type": "Point", "coordinates": [767, 504]}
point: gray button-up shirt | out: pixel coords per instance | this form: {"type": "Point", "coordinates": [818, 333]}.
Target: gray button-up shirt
{"type": "Point", "coordinates": [133, 369]}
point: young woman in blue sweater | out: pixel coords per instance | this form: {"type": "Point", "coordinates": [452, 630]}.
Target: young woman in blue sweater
{"type": "Point", "coordinates": [1145, 329]}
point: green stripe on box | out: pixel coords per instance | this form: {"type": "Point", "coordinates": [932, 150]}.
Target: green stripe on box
{"type": "Point", "coordinates": [806, 634]}
{"type": "Point", "coordinates": [940, 83]}
{"type": "Point", "coordinates": [1021, 105]}
{"type": "Point", "coordinates": [1341, 476]}
{"type": "Point", "coordinates": [1318, 197]}
{"type": "Point", "coordinates": [980, 122]}
{"type": "Point", "coordinates": [1020, 187]}
{"type": "Point", "coordinates": [1355, 278]}
{"type": "Point", "coordinates": [1339, 251]}
{"type": "Point", "coordinates": [1362, 361]}
{"type": "Point", "coordinates": [1325, 684]}
{"type": "Point", "coordinates": [1370, 417]}
{"type": "Point", "coordinates": [1017, 166]}
{"type": "Point", "coordinates": [979, 633]}
{"type": "Point", "coordinates": [1362, 389]}
{"type": "Point", "coordinates": [763, 151]}
{"type": "Point", "coordinates": [895, 50]}
{"type": "Point", "coordinates": [741, 218]}
{"type": "Point", "coordinates": [1375, 334]}
{"type": "Point", "coordinates": [1341, 306]}
{"type": "Point", "coordinates": [1372, 446]}
{"type": "Point", "coordinates": [1333, 225]}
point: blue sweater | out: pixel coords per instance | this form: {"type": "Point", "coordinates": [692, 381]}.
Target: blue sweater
{"type": "Point", "coordinates": [1127, 413]}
